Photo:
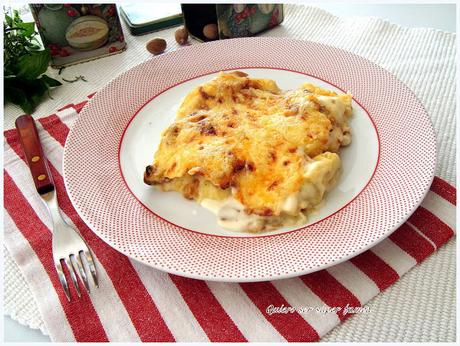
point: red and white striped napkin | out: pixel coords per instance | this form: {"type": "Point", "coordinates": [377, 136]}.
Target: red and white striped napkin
{"type": "Point", "coordinates": [138, 303]}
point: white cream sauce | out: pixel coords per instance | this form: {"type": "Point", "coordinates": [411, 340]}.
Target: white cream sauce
{"type": "Point", "coordinates": [291, 204]}
{"type": "Point", "coordinates": [231, 215]}
{"type": "Point", "coordinates": [342, 132]}
{"type": "Point", "coordinates": [335, 107]}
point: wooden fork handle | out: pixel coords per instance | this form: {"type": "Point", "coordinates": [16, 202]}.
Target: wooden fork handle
{"type": "Point", "coordinates": [35, 156]}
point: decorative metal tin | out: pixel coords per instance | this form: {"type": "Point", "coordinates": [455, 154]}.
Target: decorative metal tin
{"type": "Point", "coordinates": [78, 32]}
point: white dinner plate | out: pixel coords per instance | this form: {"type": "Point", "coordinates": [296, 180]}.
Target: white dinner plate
{"type": "Point", "coordinates": [386, 172]}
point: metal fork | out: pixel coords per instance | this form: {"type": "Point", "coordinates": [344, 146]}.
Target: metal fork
{"type": "Point", "coordinates": [69, 248]}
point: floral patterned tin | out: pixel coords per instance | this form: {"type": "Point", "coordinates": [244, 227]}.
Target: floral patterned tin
{"type": "Point", "coordinates": [232, 20]}
{"type": "Point", "coordinates": [240, 20]}
{"type": "Point", "coordinates": [78, 32]}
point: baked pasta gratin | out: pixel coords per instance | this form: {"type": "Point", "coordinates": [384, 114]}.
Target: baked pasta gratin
{"type": "Point", "coordinates": [260, 158]}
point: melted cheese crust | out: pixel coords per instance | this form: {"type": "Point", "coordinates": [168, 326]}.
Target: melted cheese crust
{"type": "Point", "coordinates": [243, 138]}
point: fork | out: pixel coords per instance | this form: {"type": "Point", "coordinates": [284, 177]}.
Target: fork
{"type": "Point", "coordinates": [70, 251]}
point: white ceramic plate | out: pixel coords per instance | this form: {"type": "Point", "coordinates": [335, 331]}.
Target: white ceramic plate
{"type": "Point", "coordinates": [386, 170]}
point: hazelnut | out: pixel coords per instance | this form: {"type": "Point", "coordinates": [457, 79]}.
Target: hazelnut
{"type": "Point", "coordinates": [210, 31]}
{"type": "Point", "coordinates": [181, 35]}
{"type": "Point", "coordinates": [156, 46]}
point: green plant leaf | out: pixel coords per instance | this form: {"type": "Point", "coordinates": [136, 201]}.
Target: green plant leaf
{"type": "Point", "coordinates": [8, 71]}
{"type": "Point", "coordinates": [32, 65]}
{"type": "Point", "coordinates": [35, 46]}
{"type": "Point", "coordinates": [27, 106]}
{"type": "Point", "coordinates": [18, 97]}
{"type": "Point", "coordinates": [25, 93]}
{"type": "Point", "coordinates": [16, 17]}
{"type": "Point", "coordinates": [24, 63]}
{"type": "Point", "coordinates": [28, 29]}
{"type": "Point", "coordinates": [50, 82]}
{"type": "Point", "coordinates": [36, 90]}
{"type": "Point", "coordinates": [14, 95]}
{"type": "Point", "coordinates": [8, 20]}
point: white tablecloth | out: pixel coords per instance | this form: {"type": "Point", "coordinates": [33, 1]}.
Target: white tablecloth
{"type": "Point", "coordinates": [421, 305]}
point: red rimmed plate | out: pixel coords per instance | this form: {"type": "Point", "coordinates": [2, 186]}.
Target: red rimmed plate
{"type": "Point", "coordinates": [387, 169]}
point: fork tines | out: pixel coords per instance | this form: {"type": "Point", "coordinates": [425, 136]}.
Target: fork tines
{"type": "Point", "coordinates": [71, 263]}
